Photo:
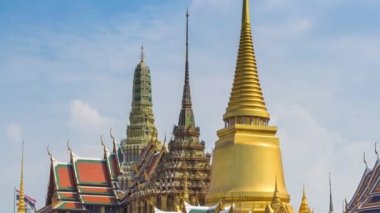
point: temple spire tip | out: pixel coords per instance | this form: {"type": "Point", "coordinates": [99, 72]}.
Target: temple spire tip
{"type": "Point", "coordinates": [142, 55]}
{"type": "Point", "coordinates": [246, 15]}
{"type": "Point", "coordinates": [21, 205]}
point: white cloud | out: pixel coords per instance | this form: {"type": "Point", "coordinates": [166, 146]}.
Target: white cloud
{"type": "Point", "coordinates": [83, 116]}
{"type": "Point", "coordinates": [311, 150]}
{"type": "Point", "coordinates": [14, 132]}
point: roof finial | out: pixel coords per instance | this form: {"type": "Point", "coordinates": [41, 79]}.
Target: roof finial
{"type": "Point", "coordinates": [113, 141]}
{"type": "Point", "coordinates": [21, 205]}
{"type": "Point", "coordinates": [101, 141]}
{"type": "Point", "coordinates": [68, 146]}
{"type": "Point", "coordinates": [377, 153]}
{"type": "Point", "coordinates": [365, 161]}
{"type": "Point", "coordinates": [142, 53]}
{"type": "Point", "coordinates": [49, 153]}
{"type": "Point", "coordinates": [331, 209]}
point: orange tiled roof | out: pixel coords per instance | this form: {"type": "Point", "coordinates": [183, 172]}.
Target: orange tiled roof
{"type": "Point", "coordinates": [83, 182]}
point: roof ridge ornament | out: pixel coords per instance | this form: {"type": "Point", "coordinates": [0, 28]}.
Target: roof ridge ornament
{"type": "Point", "coordinates": [365, 161]}
{"type": "Point", "coordinates": [376, 152]}
{"type": "Point", "coordinates": [68, 146]}
{"type": "Point", "coordinates": [113, 142]}
{"type": "Point", "coordinates": [101, 140]}
{"type": "Point", "coordinates": [49, 153]}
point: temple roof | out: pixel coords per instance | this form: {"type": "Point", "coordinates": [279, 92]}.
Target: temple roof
{"type": "Point", "coordinates": [367, 194]}
{"type": "Point", "coordinates": [82, 182]}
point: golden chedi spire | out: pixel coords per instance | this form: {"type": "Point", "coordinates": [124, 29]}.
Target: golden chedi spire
{"type": "Point", "coordinates": [276, 200]}
{"type": "Point", "coordinates": [247, 154]}
{"type": "Point", "coordinates": [246, 96]}
{"type": "Point", "coordinates": [304, 208]}
{"type": "Point", "coordinates": [21, 196]}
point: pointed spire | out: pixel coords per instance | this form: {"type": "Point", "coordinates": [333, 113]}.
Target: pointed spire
{"type": "Point", "coordinates": [331, 209]}
{"type": "Point", "coordinates": [186, 117]}
{"type": "Point", "coordinates": [21, 203]}
{"type": "Point", "coordinates": [303, 192]}
{"type": "Point", "coordinates": [304, 208]}
{"type": "Point", "coordinates": [276, 201]}
{"type": "Point", "coordinates": [246, 96]}
{"type": "Point", "coordinates": [142, 55]}
{"type": "Point", "coordinates": [376, 152]}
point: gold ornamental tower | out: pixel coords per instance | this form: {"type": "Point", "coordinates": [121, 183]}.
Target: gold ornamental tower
{"type": "Point", "coordinates": [21, 203]}
{"type": "Point", "coordinates": [247, 156]}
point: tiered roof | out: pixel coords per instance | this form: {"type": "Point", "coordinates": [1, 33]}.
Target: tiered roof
{"type": "Point", "coordinates": [367, 195]}
{"type": "Point", "coordinates": [83, 182]}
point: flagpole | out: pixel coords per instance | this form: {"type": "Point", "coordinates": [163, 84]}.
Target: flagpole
{"type": "Point", "coordinates": [14, 199]}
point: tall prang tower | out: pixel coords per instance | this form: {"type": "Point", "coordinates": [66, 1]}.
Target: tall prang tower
{"type": "Point", "coordinates": [141, 128]}
{"type": "Point", "coordinates": [247, 166]}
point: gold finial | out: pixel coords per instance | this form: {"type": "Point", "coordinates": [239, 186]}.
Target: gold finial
{"type": "Point", "coordinates": [21, 202]}
{"type": "Point", "coordinates": [276, 200]}
{"type": "Point", "coordinates": [246, 96]}
{"type": "Point", "coordinates": [246, 17]}
{"type": "Point", "coordinates": [304, 208]}
{"type": "Point", "coordinates": [303, 191]}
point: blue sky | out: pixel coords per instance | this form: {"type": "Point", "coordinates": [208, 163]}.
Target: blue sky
{"type": "Point", "coordinates": [66, 70]}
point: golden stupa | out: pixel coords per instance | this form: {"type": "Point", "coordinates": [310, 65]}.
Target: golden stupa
{"type": "Point", "coordinates": [247, 166]}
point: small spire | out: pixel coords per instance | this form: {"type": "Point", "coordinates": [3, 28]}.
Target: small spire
{"type": "Point", "coordinates": [49, 153]}
{"type": "Point", "coordinates": [304, 208]}
{"type": "Point", "coordinates": [21, 203]}
{"type": "Point", "coordinates": [186, 117]}
{"type": "Point", "coordinates": [377, 153]}
{"type": "Point", "coordinates": [303, 191]}
{"type": "Point", "coordinates": [186, 99]}
{"type": "Point", "coordinates": [142, 55]}
{"type": "Point", "coordinates": [331, 209]}
{"type": "Point", "coordinates": [276, 201]}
